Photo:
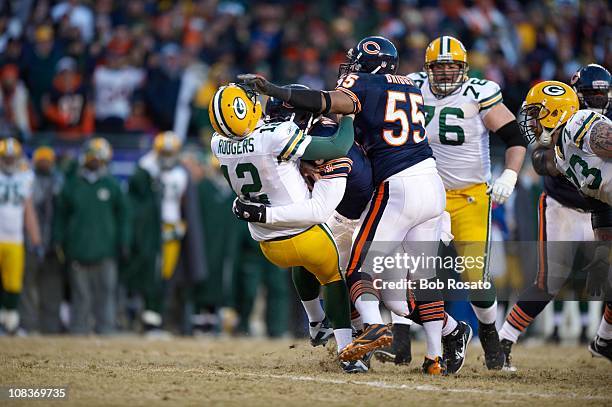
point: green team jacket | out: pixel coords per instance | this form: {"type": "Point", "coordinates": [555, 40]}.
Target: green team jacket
{"type": "Point", "coordinates": [91, 219]}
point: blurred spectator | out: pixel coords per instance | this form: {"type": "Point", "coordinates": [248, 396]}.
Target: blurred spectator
{"type": "Point", "coordinates": [67, 106]}
{"type": "Point", "coordinates": [114, 85]}
{"type": "Point", "coordinates": [163, 84]}
{"type": "Point", "coordinates": [91, 227]}
{"type": "Point", "coordinates": [44, 279]}
{"type": "Point", "coordinates": [17, 215]}
{"type": "Point", "coordinates": [77, 15]}
{"type": "Point", "coordinates": [14, 103]}
{"type": "Point", "coordinates": [156, 192]}
{"type": "Point", "coordinates": [38, 66]}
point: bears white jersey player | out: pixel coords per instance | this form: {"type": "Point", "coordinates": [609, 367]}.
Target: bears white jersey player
{"type": "Point", "coordinates": [574, 156]}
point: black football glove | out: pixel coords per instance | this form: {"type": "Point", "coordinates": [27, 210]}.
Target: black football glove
{"type": "Point", "coordinates": [257, 82]}
{"type": "Point", "coordinates": [251, 212]}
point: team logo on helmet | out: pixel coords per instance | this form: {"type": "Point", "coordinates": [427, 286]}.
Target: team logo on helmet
{"type": "Point", "coordinates": [240, 108]}
{"type": "Point", "coordinates": [553, 90]}
{"type": "Point", "coordinates": [371, 47]}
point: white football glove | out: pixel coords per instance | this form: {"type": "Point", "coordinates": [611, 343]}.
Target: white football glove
{"type": "Point", "coordinates": [503, 186]}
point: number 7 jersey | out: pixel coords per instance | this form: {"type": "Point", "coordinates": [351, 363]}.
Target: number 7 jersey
{"type": "Point", "coordinates": [264, 167]}
{"type": "Point", "coordinates": [456, 132]}
{"type": "Point", "coordinates": [590, 173]}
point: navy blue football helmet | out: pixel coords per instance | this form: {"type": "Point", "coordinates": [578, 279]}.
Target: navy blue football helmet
{"type": "Point", "coordinates": [592, 85]}
{"type": "Point", "coordinates": [373, 54]}
{"type": "Point", "coordinates": [278, 110]}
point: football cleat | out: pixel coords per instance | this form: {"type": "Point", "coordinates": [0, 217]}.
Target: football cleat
{"type": "Point", "coordinates": [455, 346]}
{"type": "Point", "coordinates": [494, 356]}
{"type": "Point", "coordinates": [320, 332]}
{"type": "Point", "coordinates": [373, 337]}
{"type": "Point", "coordinates": [400, 350]}
{"type": "Point", "coordinates": [554, 338]}
{"type": "Point", "coordinates": [355, 366]}
{"type": "Point", "coordinates": [506, 347]}
{"type": "Point", "coordinates": [601, 348]}
{"type": "Point", "coordinates": [434, 367]}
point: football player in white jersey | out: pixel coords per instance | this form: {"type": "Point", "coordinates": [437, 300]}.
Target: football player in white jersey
{"type": "Point", "coordinates": [261, 163]}
{"type": "Point", "coordinates": [162, 165]}
{"type": "Point", "coordinates": [16, 211]}
{"type": "Point", "coordinates": [459, 114]}
{"type": "Point", "coordinates": [582, 142]}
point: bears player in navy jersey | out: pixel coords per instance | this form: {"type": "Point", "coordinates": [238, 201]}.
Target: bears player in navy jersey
{"type": "Point", "coordinates": [342, 188]}
{"type": "Point", "coordinates": [409, 196]}
{"type": "Point", "coordinates": [565, 215]}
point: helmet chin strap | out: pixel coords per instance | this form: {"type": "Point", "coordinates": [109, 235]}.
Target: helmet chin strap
{"type": "Point", "coordinates": [546, 137]}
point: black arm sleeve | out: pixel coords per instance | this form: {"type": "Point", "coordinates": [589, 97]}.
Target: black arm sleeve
{"type": "Point", "coordinates": [511, 135]}
{"type": "Point", "coordinates": [306, 99]}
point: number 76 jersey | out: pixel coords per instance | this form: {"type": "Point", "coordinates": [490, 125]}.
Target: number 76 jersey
{"type": "Point", "coordinates": [456, 132]}
{"type": "Point", "coordinates": [590, 173]}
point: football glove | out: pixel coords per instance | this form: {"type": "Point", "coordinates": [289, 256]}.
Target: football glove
{"type": "Point", "coordinates": [503, 186]}
{"type": "Point", "coordinates": [257, 82]}
{"type": "Point", "coordinates": [251, 212]}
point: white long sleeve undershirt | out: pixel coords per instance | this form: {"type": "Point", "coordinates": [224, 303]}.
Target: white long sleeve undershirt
{"type": "Point", "coordinates": [325, 197]}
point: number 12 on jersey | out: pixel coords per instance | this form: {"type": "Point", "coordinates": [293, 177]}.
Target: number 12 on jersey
{"type": "Point", "coordinates": [410, 124]}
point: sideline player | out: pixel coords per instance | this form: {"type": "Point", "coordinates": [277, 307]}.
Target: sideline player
{"type": "Point", "coordinates": [260, 162]}
{"type": "Point", "coordinates": [409, 198]}
{"type": "Point", "coordinates": [16, 215]}
{"type": "Point", "coordinates": [459, 114]}
{"type": "Point", "coordinates": [582, 141]}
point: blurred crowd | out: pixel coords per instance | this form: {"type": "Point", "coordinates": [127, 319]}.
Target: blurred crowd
{"type": "Point", "coordinates": [77, 69]}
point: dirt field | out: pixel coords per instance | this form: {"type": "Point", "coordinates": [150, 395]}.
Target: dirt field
{"type": "Point", "coordinates": [240, 372]}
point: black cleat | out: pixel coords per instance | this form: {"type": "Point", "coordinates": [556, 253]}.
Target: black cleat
{"type": "Point", "coordinates": [506, 347]}
{"type": "Point", "coordinates": [320, 332]}
{"type": "Point", "coordinates": [455, 346]}
{"type": "Point", "coordinates": [355, 366]}
{"type": "Point", "coordinates": [373, 337]}
{"type": "Point", "coordinates": [494, 356]}
{"type": "Point", "coordinates": [601, 348]}
{"type": "Point", "coordinates": [584, 337]}
{"type": "Point", "coordinates": [400, 350]}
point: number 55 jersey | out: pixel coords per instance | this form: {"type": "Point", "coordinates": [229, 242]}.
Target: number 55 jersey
{"type": "Point", "coordinates": [264, 167]}
{"type": "Point", "coordinates": [456, 132]}
{"type": "Point", "coordinates": [575, 159]}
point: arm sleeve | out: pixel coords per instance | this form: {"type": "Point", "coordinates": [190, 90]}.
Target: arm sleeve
{"type": "Point", "coordinates": [326, 195]}
{"type": "Point", "coordinates": [336, 146]}
{"type": "Point", "coordinates": [355, 87]}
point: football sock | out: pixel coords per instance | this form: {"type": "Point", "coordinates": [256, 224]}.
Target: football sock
{"type": "Point", "coordinates": [398, 319]}
{"type": "Point", "coordinates": [433, 335]}
{"type": "Point", "coordinates": [509, 332]}
{"type": "Point", "coordinates": [314, 310]}
{"type": "Point", "coordinates": [450, 324]}
{"type": "Point", "coordinates": [485, 315]}
{"type": "Point", "coordinates": [583, 306]}
{"type": "Point", "coordinates": [337, 306]}
{"type": "Point", "coordinates": [605, 327]}
{"type": "Point", "coordinates": [343, 336]}
{"type": "Point", "coordinates": [368, 307]}
{"type": "Point", "coordinates": [432, 317]}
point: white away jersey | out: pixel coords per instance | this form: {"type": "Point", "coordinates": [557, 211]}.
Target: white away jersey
{"type": "Point", "coordinates": [456, 132]}
{"type": "Point", "coordinates": [264, 167]}
{"type": "Point", "coordinates": [113, 90]}
{"type": "Point", "coordinates": [574, 158]}
{"type": "Point", "coordinates": [14, 190]}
